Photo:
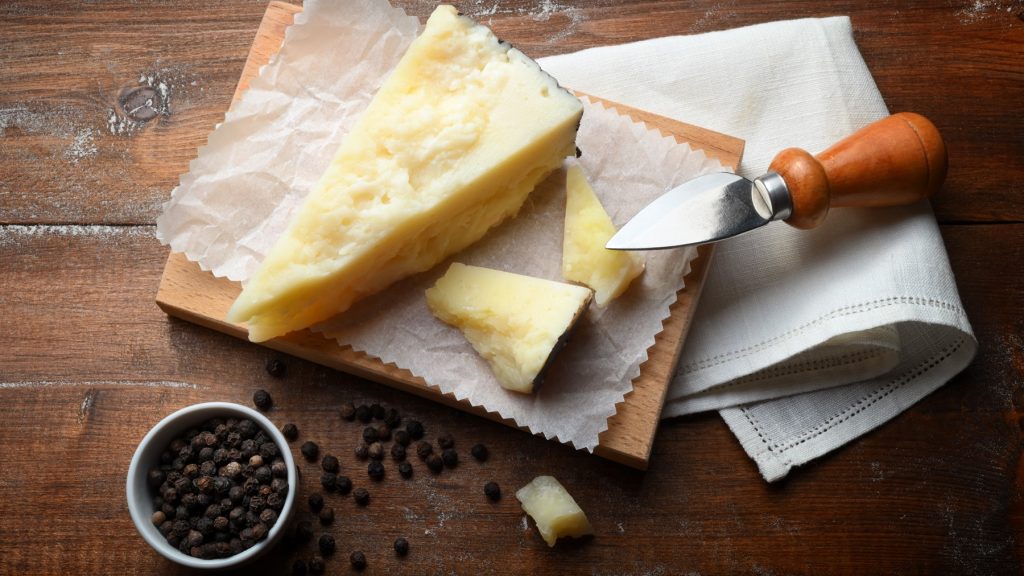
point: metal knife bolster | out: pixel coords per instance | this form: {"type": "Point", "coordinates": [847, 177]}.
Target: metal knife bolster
{"type": "Point", "coordinates": [772, 200]}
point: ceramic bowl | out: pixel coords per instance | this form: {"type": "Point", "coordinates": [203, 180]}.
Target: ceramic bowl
{"type": "Point", "coordinates": [147, 456]}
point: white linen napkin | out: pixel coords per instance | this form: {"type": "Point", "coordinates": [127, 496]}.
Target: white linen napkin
{"type": "Point", "coordinates": [803, 340]}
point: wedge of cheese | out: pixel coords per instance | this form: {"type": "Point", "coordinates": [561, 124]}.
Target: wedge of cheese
{"type": "Point", "coordinates": [587, 229]}
{"type": "Point", "coordinates": [553, 509]}
{"type": "Point", "coordinates": [451, 145]}
{"type": "Point", "coordinates": [516, 323]}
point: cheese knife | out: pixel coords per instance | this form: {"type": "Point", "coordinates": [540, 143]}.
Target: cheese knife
{"type": "Point", "coordinates": [892, 162]}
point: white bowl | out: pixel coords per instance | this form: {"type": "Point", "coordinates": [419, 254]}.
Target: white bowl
{"type": "Point", "coordinates": [140, 500]}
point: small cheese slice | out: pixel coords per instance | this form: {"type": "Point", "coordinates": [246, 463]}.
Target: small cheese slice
{"type": "Point", "coordinates": [587, 229]}
{"type": "Point", "coordinates": [450, 146]}
{"type": "Point", "coordinates": [516, 323]}
{"type": "Point", "coordinates": [553, 509]}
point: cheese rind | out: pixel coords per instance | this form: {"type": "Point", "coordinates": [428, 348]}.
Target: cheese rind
{"type": "Point", "coordinates": [553, 509]}
{"type": "Point", "coordinates": [450, 146]}
{"type": "Point", "coordinates": [587, 229]}
{"type": "Point", "coordinates": [516, 323]}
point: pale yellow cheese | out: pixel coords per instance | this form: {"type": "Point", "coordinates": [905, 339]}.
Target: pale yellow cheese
{"type": "Point", "coordinates": [553, 509]}
{"type": "Point", "coordinates": [587, 229]}
{"type": "Point", "coordinates": [515, 322]}
{"type": "Point", "coordinates": [451, 145]}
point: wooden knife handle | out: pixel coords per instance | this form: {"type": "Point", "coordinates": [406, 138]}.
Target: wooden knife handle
{"type": "Point", "coordinates": [895, 161]}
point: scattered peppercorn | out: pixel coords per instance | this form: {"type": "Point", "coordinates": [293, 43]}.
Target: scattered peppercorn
{"type": "Point", "coordinates": [362, 452]}
{"type": "Point", "coordinates": [424, 449]}
{"type": "Point", "coordinates": [326, 544]}
{"type": "Point", "coordinates": [435, 463]}
{"type": "Point", "coordinates": [479, 451]}
{"type": "Point", "coordinates": [328, 480]}
{"type": "Point", "coordinates": [392, 418]}
{"type": "Point", "coordinates": [326, 516]}
{"type": "Point", "coordinates": [375, 451]}
{"type": "Point", "coordinates": [450, 458]}
{"type": "Point", "coordinates": [406, 469]}
{"type": "Point", "coordinates": [291, 432]}
{"type": "Point", "coordinates": [402, 437]}
{"type": "Point", "coordinates": [415, 429]}
{"type": "Point", "coordinates": [401, 546]}
{"type": "Point", "coordinates": [316, 501]}
{"type": "Point", "coordinates": [383, 432]}
{"type": "Point", "coordinates": [358, 560]}
{"type": "Point", "coordinates": [310, 451]}
{"type": "Point", "coordinates": [492, 491]}
{"type": "Point", "coordinates": [348, 411]}
{"type": "Point", "coordinates": [343, 485]}
{"type": "Point", "coordinates": [446, 441]}
{"type": "Point", "coordinates": [363, 413]}
{"type": "Point", "coordinates": [375, 470]}
{"type": "Point", "coordinates": [276, 368]}
{"type": "Point", "coordinates": [262, 400]}
{"type": "Point", "coordinates": [329, 463]}
{"type": "Point", "coordinates": [370, 434]}
{"type": "Point", "coordinates": [397, 452]}
{"type": "Point", "coordinates": [316, 565]}
{"type": "Point", "coordinates": [377, 411]}
{"type": "Point", "coordinates": [361, 496]}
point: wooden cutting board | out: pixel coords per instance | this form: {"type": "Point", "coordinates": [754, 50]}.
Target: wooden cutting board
{"type": "Point", "coordinates": [191, 294]}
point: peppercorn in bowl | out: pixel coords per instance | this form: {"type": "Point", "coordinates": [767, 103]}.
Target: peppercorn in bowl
{"type": "Point", "coordinates": [212, 485]}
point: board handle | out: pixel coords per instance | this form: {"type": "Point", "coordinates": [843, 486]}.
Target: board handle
{"type": "Point", "coordinates": [892, 162]}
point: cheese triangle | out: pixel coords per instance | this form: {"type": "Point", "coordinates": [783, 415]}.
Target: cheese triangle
{"type": "Point", "coordinates": [587, 229]}
{"type": "Point", "coordinates": [450, 146]}
{"type": "Point", "coordinates": [516, 323]}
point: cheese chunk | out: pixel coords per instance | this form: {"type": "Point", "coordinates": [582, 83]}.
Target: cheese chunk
{"type": "Point", "coordinates": [450, 146]}
{"type": "Point", "coordinates": [587, 229]}
{"type": "Point", "coordinates": [553, 509]}
{"type": "Point", "coordinates": [516, 323]}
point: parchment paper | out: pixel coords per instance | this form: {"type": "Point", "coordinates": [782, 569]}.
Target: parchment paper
{"type": "Point", "coordinates": [258, 165]}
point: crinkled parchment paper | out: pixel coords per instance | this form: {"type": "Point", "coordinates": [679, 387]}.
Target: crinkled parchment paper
{"type": "Point", "coordinates": [259, 164]}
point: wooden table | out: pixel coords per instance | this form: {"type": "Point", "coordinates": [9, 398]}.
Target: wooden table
{"type": "Point", "coordinates": [88, 362]}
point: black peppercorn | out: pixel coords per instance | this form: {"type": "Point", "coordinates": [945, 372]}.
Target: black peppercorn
{"type": "Point", "coordinates": [370, 434]}
{"type": "Point", "coordinates": [299, 568]}
{"type": "Point", "coordinates": [290, 431]}
{"type": "Point", "coordinates": [316, 502]}
{"type": "Point", "coordinates": [424, 449]}
{"type": "Point", "coordinates": [445, 441]}
{"type": "Point", "coordinates": [327, 480]}
{"type": "Point", "coordinates": [329, 463]}
{"type": "Point", "coordinates": [303, 531]}
{"type": "Point", "coordinates": [415, 429]}
{"type": "Point", "coordinates": [247, 428]}
{"type": "Point", "coordinates": [262, 400]}
{"type": "Point", "coordinates": [326, 544]}
{"type": "Point", "coordinates": [220, 523]}
{"type": "Point", "coordinates": [268, 450]}
{"type": "Point", "coordinates": [402, 437]}
{"type": "Point", "coordinates": [398, 452]}
{"type": "Point", "coordinates": [361, 496]}
{"type": "Point", "coordinates": [435, 463]}
{"type": "Point", "coordinates": [275, 501]}
{"type": "Point", "coordinates": [310, 451]}
{"type": "Point", "coordinates": [450, 457]}
{"type": "Point", "coordinates": [316, 565]}
{"type": "Point", "coordinates": [358, 560]}
{"type": "Point", "coordinates": [276, 368]}
{"type": "Point", "coordinates": [492, 491]}
{"type": "Point", "coordinates": [348, 412]}
{"type": "Point", "coordinates": [392, 418]}
{"type": "Point", "coordinates": [279, 469]}
{"type": "Point", "coordinates": [155, 478]}
{"type": "Point", "coordinates": [279, 486]}
{"type": "Point", "coordinates": [479, 451]}
{"type": "Point", "coordinates": [375, 451]}
{"type": "Point", "coordinates": [327, 516]}
{"type": "Point", "coordinates": [343, 484]}
{"type": "Point", "coordinates": [375, 470]}
{"type": "Point", "coordinates": [263, 475]}
{"type": "Point", "coordinates": [268, 516]}
{"type": "Point", "coordinates": [363, 413]}
{"type": "Point", "coordinates": [405, 469]}
{"type": "Point", "coordinates": [362, 452]}
{"type": "Point", "coordinates": [401, 546]}
{"type": "Point", "coordinates": [377, 411]}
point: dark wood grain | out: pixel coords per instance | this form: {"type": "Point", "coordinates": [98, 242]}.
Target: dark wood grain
{"type": "Point", "coordinates": [88, 363]}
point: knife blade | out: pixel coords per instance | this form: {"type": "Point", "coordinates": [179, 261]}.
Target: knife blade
{"type": "Point", "coordinates": [895, 161]}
